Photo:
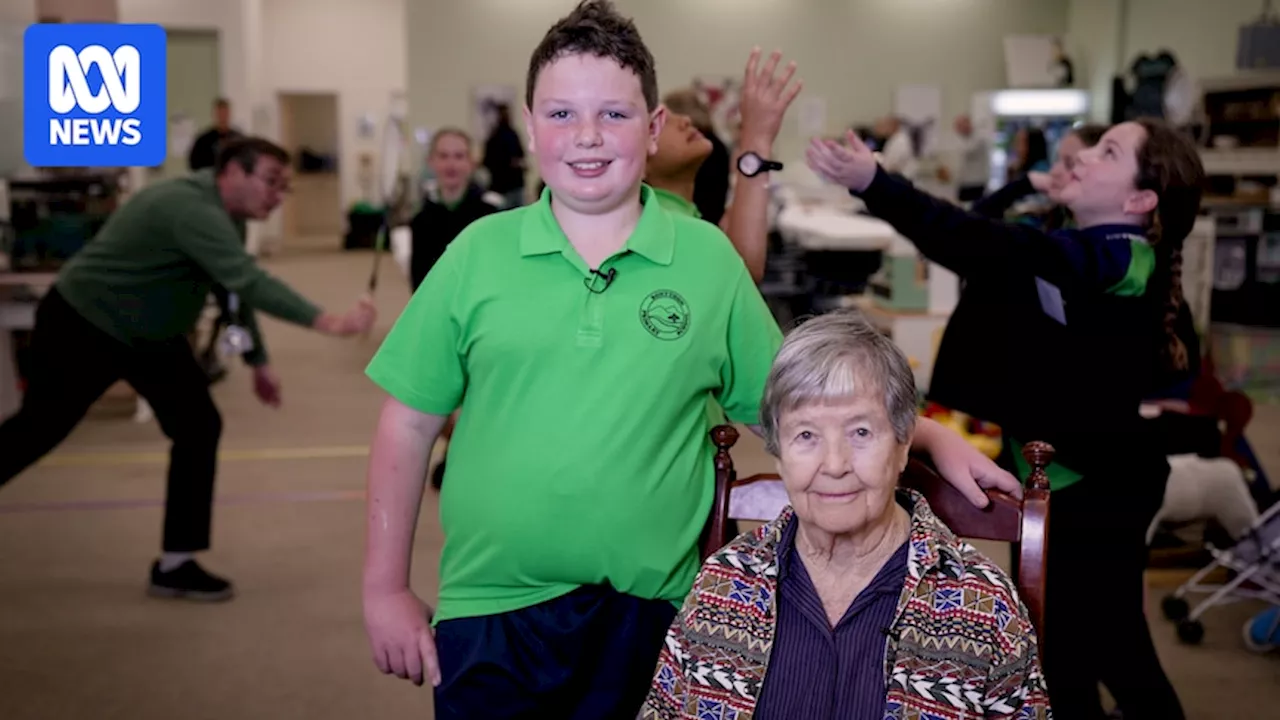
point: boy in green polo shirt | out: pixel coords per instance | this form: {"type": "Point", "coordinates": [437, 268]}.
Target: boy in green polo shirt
{"type": "Point", "coordinates": [581, 337]}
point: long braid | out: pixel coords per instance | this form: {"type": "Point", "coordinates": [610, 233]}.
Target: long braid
{"type": "Point", "coordinates": [1169, 267]}
{"type": "Point", "coordinates": [1169, 165]}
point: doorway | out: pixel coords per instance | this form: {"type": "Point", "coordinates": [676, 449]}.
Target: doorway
{"type": "Point", "coordinates": [312, 213]}
{"type": "Point", "coordinates": [193, 84]}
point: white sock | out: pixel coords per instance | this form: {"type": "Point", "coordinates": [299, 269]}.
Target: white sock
{"type": "Point", "coordinates": [171, 560]}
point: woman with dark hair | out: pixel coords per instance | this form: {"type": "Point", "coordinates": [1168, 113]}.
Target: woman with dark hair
{"type": "Point", "coordinates": [504, 159]}
{"type": "Point", "coordinates": [1030, 152]}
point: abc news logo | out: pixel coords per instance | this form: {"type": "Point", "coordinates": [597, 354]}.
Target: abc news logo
{"type": "Point", "coordinates": [69, 89]}
{"type": "Point", "coordinates": [94, 95]}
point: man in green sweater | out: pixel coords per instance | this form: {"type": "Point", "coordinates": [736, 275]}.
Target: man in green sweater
{"type": "Point", "coordinates": [121, 309]}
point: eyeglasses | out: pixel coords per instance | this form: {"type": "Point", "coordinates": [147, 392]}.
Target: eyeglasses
{"type": "Point", "coordinates": [278, 183]}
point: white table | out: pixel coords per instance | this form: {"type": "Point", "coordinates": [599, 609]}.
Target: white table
{"type": "Point", "coordinates": [16, 315]}
{"type": "Point", "coordinates": [819, 227]}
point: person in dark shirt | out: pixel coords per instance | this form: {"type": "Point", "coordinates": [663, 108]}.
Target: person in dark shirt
{"type": "Point", "coordinates": [451, 204]}
{"type": "Point", "coordinates": [1097, 308]}
{"type": "Point", "coordinates": [504, 159]}
{"type": "Point", "coordinates": [204, 151]}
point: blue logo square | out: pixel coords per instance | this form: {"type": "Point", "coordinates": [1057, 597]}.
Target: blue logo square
{"type": "Point", "coordinates": [93, 95]}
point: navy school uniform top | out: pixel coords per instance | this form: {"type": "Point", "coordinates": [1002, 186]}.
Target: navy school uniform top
{"type": "Point", "coordinates": [438, 223]}
{"type": "Point", "coordinates": [1062, 340]}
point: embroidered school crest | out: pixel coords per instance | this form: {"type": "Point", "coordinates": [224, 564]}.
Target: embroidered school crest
{"type": "Point", "coordinates": [665, 314]}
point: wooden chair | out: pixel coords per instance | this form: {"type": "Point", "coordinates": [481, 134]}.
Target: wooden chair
{"type": "Point", "coordinates": [1024, 523]}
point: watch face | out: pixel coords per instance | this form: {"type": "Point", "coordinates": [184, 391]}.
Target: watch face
{"type": "Point", "coordinates": [749, 164]}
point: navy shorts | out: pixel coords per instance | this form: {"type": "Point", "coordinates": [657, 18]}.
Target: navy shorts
{"type": "Point", "coordinates": [588, 655]}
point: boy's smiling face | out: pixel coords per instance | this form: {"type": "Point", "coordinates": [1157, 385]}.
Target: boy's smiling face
{"type": "Point", "coordinates": [591, 131]}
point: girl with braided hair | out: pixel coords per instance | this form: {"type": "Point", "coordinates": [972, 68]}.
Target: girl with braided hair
{"type": "Point", "coordinates": [1087, 316]}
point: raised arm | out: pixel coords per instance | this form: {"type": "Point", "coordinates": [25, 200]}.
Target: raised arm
{"type": "Point", "coordinates": [998, 203]}
{"type": "Point", "coordinates": [962, 241]}
{"type": "Point", "coordinates": [765, 99]}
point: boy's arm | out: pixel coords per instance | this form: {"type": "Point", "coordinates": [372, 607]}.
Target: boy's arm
{"type": "Point", "coordinates": [764, 103]}
{"type": "Point", "coordinates": [752, 340]}
{"type": "Point", "coordinates": [398, 463]}
{"type": "Point", "coordinates": [962, 465]}
{"type": "Point", "coordinates": [419, 366]}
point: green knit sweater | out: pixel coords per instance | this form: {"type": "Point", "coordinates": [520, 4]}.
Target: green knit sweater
{"type": "Point", "coordinates": [147, 273]}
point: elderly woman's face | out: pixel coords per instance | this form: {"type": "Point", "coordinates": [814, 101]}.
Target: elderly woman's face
{"type": "Point", "coordinates": [840, 462]}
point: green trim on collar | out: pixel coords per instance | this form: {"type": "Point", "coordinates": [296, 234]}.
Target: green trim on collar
{"type": "Point", "coordinates": [676, 204]}
{"type": "Point", "coordinates": [1142, 263]}
{"type": "Point", "coordinates": [653, 237]}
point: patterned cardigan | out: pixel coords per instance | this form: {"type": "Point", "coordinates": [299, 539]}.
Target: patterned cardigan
{"type": "Point", "coordinates": [961, 647]}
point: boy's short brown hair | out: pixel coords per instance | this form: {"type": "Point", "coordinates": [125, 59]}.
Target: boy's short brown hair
{"type": "Point", "coordinates": [595, 28]}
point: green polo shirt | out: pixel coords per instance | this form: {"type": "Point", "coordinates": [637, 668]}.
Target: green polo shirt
{"type": "Point", "coordinates": [676, 204]}
{"type": "Point", "coordinates": [581, 454]}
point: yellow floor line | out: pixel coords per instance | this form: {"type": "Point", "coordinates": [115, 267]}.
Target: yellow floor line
{"type": "Point", "coordinates": [153, 458]}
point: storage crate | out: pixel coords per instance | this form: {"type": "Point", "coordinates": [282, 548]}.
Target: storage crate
{"type": "Point", "coordinates": [1248, 359]}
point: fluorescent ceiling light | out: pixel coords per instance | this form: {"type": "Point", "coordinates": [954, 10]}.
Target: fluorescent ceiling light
{"type": "Point", "coordinates": [1040, 103]}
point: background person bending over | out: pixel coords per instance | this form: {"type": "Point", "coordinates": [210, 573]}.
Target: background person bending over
{"type": "Point", "coordinates": [121, 309]}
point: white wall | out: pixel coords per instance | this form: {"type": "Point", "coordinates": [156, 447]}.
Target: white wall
{"type": "Point", "coordinates": [1106, 35]}
{"type": "Point", "coordinates": [15, 16]}
{"type": "Point", "coordinates": [1095, 43]}
{"type": "Point", "coordinates": [852, 52]}
{"type": "Point", "coordinates": [1202, 34]}
{"type": "Point", "coordinates": [355, 50]}
{"type": "Point", "coordinates": [224, 16]}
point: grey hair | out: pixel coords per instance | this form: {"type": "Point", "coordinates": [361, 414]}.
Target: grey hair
{"type": "Point", "coordinates": [834, 356]}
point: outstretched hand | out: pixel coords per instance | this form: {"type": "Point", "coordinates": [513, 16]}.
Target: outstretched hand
{"type": "Point", "coordinates": [765, 97]}
{"type": "Point", "coordinates": [852, 166]}
{"type": "Point", "coordinates": [962, 465]}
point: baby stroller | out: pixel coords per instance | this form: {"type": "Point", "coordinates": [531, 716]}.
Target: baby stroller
{"type": "Point", "coordinates": [1254, 571]}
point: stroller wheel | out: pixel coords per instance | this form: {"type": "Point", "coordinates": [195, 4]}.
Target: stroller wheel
{"type": "Point", "coordinates": [1262, 631]}
{"type": "Point", "coordinates": [1190, 632]}
{"type": "Point", "coordinates": [1175, 608]}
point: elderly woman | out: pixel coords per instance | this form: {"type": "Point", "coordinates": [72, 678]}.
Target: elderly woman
{"type": "Point", "coordinates": [856, 602]}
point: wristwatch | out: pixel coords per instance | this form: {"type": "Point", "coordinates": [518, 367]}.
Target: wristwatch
{"type": "Point", "coordinates": [751, 164]}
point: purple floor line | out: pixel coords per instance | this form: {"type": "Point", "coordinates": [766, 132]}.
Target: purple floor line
{"type": "Point", "coordinates": [135, 503]}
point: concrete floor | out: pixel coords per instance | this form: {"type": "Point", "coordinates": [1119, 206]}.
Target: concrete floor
{"type": "Point", "coordinates": [78, 639]}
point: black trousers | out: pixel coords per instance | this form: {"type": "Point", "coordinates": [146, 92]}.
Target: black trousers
{"type": "Point", "coordinates": [588, 655]}
{"type": "Point", "coordinates": [73, 363]}
{"type": "Point", "coordinates": [1095, 623]}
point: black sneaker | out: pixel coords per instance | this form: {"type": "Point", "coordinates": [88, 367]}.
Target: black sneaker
{"type": "Point", "coordinates": [188, 581]}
